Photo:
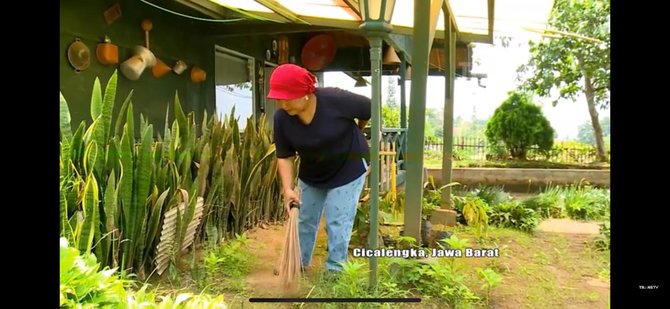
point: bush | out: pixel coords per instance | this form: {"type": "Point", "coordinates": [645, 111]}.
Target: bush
{"type": "Point", "coordinates": [83, 285]}
{"type": "Point", "coordinates": [519, 124]}
{"type": "Point", "coordinates": [513, 214]}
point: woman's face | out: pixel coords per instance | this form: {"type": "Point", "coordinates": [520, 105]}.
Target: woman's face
{"type": "Point", "coordinates": [294, 106]}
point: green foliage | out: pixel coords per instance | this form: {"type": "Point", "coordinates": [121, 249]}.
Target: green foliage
{"type": "Point", "coordinates": [81, 284]}
{"type": "Point", "coordinates": [491, 195]}
{"type": "Point", "coordinates": [229, 263]}
{"type": "Point", "coordinates": [602, 242]}
{"type": "Point", "coordinates": [518, 124]}
{"type": "Point", "coordinates": [439, 280]}
{"type": "Point", "coordinates": [564, 61]}
{"type": "Point", "coordinates": [84, 285]}
{"type": "Point", "coordinates": [547, 204]}
{"type": "Point", "coordinates": [473, 128]}
{"type": "Point", "coordinates": [491, 279]}
{"type": "Point", "coordinates": [475, 214]}
{"type": "Point", "coordinates": [390, 116]}
{"type": "Point", "coordinates": [587, 203]}
{"type": "Point", "coordinates": [581, 202]}
{"type": "Point", "coordinates": [574, 59]}
{"type": "Point", "coordinates": [513, 214]}
{"type": "Point", "coordinates": [585, 132]}
{"type": "Point", "coordinates": [116, 183]}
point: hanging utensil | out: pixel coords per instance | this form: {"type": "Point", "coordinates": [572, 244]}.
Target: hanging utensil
{"type": "Point", "coordinates": [79, 55]}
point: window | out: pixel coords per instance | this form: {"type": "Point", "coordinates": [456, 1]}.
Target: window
{"type": "Point", "coordinates": [234, 87]}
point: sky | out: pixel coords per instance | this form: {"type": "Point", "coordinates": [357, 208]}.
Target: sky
{"type": "Point", "coordinates": [500, 65]}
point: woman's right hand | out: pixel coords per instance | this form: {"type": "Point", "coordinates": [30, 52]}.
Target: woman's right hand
{"type": "Point", "coordinates": [290, 196]}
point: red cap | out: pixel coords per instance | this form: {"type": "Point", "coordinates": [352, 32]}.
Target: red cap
{"type": "Point", "coordinates": [289, 81]}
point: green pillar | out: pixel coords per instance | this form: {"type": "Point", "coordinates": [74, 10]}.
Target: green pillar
{"type": "Point", "coordinates": [375, 59]}
{"type": "Point", "coordinates": [417, 114]}
{"type": "Point", "coordinates": [448, 125]}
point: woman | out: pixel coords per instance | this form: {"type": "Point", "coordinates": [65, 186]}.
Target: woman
{"type": "Point", "coordinates": [319, 125]}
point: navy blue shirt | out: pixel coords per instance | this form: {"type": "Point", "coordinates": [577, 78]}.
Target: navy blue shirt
{"type": "Point", "coordinates": [332, 147]}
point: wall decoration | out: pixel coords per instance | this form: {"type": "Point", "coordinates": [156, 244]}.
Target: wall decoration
{"type": "Point", "coordinates": [112, 13]}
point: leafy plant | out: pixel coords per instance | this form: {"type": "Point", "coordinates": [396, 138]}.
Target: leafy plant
{"type": "Point", "coordinates": [513, 214]}
{"type": "Point", "coordinates": [491, 279]}
{"type": "Point", "coordinates": [83, 284]}
{"type": "Point", "coordinates": [474, 211]}
{"type": "Point", "coordinates": [492, 195]}
{"type": "Point", "coordinates": [116, 188]}
{"type": "Point", "coordinates": [602, 242]}
{"type": "Point", "coordinates": [548, 204]}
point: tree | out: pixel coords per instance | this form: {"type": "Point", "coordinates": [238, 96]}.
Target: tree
{"type": "Point", "coordinates": [575, 58]}
{"type": "Point", "coordinates": [519, 124]}
{"type": "Point", "coordinates": [390, 116]}
{"type": "Point", "coordinates": [585, 131]}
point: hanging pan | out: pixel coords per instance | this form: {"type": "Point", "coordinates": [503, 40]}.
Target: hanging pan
{"type": "Point", "coordinates": [79, 55]}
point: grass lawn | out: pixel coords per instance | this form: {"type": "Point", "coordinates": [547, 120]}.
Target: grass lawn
{"type": "Point", "coordinates": [539, 270]}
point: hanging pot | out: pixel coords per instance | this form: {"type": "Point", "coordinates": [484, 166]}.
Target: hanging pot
{"type": "Point", "coordinates": [79, 55]}
{"type": "Point", "coordinates": [198, 75]}
{"type": "Point", "coordinates": [107, 52]}
{"type": "Point", "coordinates": [179, 67]}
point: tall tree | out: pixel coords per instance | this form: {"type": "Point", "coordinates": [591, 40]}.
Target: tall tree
{"type": "Point", "coordinates": [574, 58]}
{"type": "Point", "coordinates": [585, 131]}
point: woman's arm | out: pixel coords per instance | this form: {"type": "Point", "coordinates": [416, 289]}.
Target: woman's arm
{"type": "Point", "coordinates": [285, 169]}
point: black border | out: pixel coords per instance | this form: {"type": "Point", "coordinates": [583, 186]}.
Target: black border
{"type": "Point", "coordinates": [637, 156]}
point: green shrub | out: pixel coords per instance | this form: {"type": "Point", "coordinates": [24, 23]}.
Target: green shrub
{"type": "Point", "coordinates": [519, 124]}
{"type": "Point", "coordinates": [492, 195]}
{"type": "Point", "coordinates": [587, 203]}
{"type": "Point", "coordinates": [548, 204]}
{"type": "Point", "coordinates": [602, 242]}
{"type": "Point", "coordinates": [513, 214]}
{"type": "Point", "coordinates": [83, 285]}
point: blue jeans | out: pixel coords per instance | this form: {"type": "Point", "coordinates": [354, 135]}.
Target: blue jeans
{"type": "Point", "coordinates": [340, 207]}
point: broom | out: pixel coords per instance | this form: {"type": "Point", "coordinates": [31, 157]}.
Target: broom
{"type": "Point", "coordinates": [290, 263]}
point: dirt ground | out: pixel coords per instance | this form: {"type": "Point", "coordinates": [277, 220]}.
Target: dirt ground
{"type": "Point", "coordinates": [554, 268]}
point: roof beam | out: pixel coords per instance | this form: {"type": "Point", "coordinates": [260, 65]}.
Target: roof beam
{"type": "Point", "coordinates": [353, 5]}
{"type": "Point", "coordinates": [263, 29]}
{"type": "Point", "coordinates": [205, 7]}
{"type": "Point", "coordinates": [446, 7]}
{"type": "Point", "coordinates": [491, 18]}
{"type": "Point", "coordinates": [435, 6]}
{"type": "Point", "coordinates": [281, 10]}
{"type": "Point", "coordinates": [466, 37]}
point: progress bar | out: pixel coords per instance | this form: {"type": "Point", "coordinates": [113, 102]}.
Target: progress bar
{"type": "Point", "coordinates": [335, 300]}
